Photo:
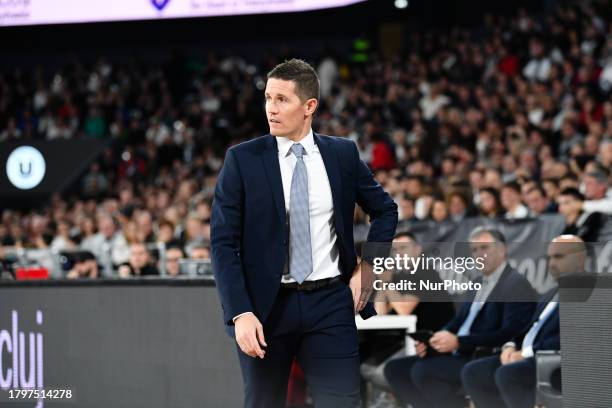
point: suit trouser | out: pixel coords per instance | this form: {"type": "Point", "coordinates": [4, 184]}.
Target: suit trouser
{"type": "Point", "coordinates": [490, 384]}
{"type": "Point", "coordinates": [427, 382]}
{"type": "Point", "coordinates": [317, 327]}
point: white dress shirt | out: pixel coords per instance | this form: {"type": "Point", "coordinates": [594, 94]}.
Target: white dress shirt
{"type": "Point", "coordinates": [527, 349]}
{"type": "Point", "coordinates": [323, 237]}
{"type": "Point", "coordinates": [322, 230]}
{"type": "Point", "coordinates": [519, 212]}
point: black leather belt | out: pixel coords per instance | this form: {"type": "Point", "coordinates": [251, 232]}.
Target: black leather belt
{"type": "Point", "coordinates": [311, 285]}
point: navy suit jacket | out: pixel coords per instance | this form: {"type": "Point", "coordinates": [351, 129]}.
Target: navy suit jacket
{"type": "Point", "coordinates": [250, 230]}
{"type": "Point", "coordinates": [501, 317]}
{"type": "Point", "coordinates": [548, 337]}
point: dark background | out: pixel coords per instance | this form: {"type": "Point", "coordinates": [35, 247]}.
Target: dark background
{"type": "Point", "coordinates": [309, 32]}
{"type": "Point", "coordinates": [64, 159]}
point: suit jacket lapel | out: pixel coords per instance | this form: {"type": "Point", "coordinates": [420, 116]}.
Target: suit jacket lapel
{"type": "Point", "coordinates": [330, 160]}
{"type": "Point", "coordinates": [498, 293]}
{"type": "Point", "coordinates": [270, 159]}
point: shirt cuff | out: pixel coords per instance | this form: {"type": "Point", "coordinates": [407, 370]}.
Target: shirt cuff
{"type": "Point", "coordinates": [241, 314]}
{"type": "Point", "coordinates": [509, 344]}
{"type": "Point", "coordinates": [527, 352]}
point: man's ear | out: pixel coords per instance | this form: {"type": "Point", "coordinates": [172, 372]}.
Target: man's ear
{"type": "Point", "coordinates": [311, 106]}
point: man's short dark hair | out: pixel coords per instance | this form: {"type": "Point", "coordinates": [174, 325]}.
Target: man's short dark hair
{"type": "Point", "coordinates": [569, 176]}
{"type": "Point", "coordinates": [406, 234]}
{"type": "Point", "coordinates": [538, 188]}
{"type": "Point", "coordinates": [513, 185]}
{"type": "Point", "coordinates": [494, 232]}
{"type": "Point", "coordinates": [416, 177]}
{"type": "Point", "coordinates": [572, 192]}
{"type": "Point", "coordinates": [492, 191]}
{"type": "Point", "coordinates": [302, 74]}
{"type": "Point", "coordinates": [174, 245]}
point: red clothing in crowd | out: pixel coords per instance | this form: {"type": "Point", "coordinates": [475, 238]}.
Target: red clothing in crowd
{"type": "Point", "coordinates": [382, 157]}
{"type": "Point", "coordinates": [509, 65]}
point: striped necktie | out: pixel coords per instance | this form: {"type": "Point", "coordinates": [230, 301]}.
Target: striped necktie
{"type": "Point", "coordinates": [300, 249]}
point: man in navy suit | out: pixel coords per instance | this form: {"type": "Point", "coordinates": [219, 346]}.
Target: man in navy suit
{"type": "Point", "coordinates": [509, 380]}
{"type": "Point", "coordinates": [432, 378]}
{"type": "Point", "coordinates": [283, 252]}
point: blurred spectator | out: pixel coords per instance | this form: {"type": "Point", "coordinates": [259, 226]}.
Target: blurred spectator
{"type": "Point", "coordinates": [490, 204]}
{"type": "Point", "coordinates": [63, 239]}
{"type": "Point", "coordinates": [194, 230]}
{"type": "Point", "coordinates": [567, 181]}
{"type": "Point", "coordinates": [109, 245]}
{"type": "Point", "coordinates": [605, 154]}
{"type": "Point", "coordinates": [433, 101]}
{"type": "Point", "coordinates": [328, 73]}
{"type": "Point", "coordinates": [458, 206]}
{"type": "Point", "coordinates": [537, 201]}
{"type": "Point", "coordinates": [598, 195]}
{"type": "Point", "coordinates": [511, 201]}
{"type": "Point", "coordinates": [439, 211]}
{"type": "Point", "coordinates": [95, 183]}
{"type": "Point", "coordinates": [139, 263]}
{"type": "Point", "coordinates": [406, 209]}
{"type": "Point", "coordinates": [382, 154]}
{"type": "Point", "coordinates": [11, 132]}
{"type": "Point", "coordinates": [199, 250]}
{"type": "Point", "coordinates": [539, 66]}
{"type": "Point", "coordinates": [165, 232]}
{"type": "Point", "coordinates": [173, 255]}
{"type": "Point", "coordinates": [145, 226]}
{"type": "Point", "coordinates": [87, 230]}
{"type": "Point", "coordinates": [582, 224]}
{"type": "Point", "coordinates": [85, 267]}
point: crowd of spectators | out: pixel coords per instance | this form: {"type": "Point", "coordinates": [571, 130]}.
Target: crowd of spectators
{"type": "Point", "coordinates": [509, 119]}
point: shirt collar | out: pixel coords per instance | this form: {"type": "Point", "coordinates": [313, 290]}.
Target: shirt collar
{"type": "Point", "coordinates": [494, 277]}
{"type": "Point", "coordinates": [284, 144]}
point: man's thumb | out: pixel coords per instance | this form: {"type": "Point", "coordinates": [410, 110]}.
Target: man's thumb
{"type": "Point", "coordinates": [260, 336]}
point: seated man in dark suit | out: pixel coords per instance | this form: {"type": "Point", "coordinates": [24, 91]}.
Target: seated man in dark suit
{"type": "Point", "coordinates": [509, 379]}
{"type": "Point", "coordinates": [433, 311]}
{"type": "Point", "coordinates": [432, 378]}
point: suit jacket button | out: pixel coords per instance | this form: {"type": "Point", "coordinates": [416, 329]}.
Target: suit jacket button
{"type": "Point", "coordinates": [284, 242]}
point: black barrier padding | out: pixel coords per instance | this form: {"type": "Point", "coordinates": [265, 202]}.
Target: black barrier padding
{"type": "Point", "coordinates": [130, 343]}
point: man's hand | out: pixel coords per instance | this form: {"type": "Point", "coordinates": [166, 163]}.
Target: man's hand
{"type": "Point", "coordinates": [444, 342]}
{"type": "Point", "coordinates": [514, 357]}
{"type": "Point", "coordinates": [421, 348]}
{"type": "Point", "coordinates": [250, 335]}
{"type": "Point", "coordinates": [361, 285]}
{"type": "Point", "coordinates": [504, 358]}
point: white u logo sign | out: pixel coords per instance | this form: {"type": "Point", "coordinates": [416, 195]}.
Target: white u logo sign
{"type": "Point", "coordinates": [25, 167]}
